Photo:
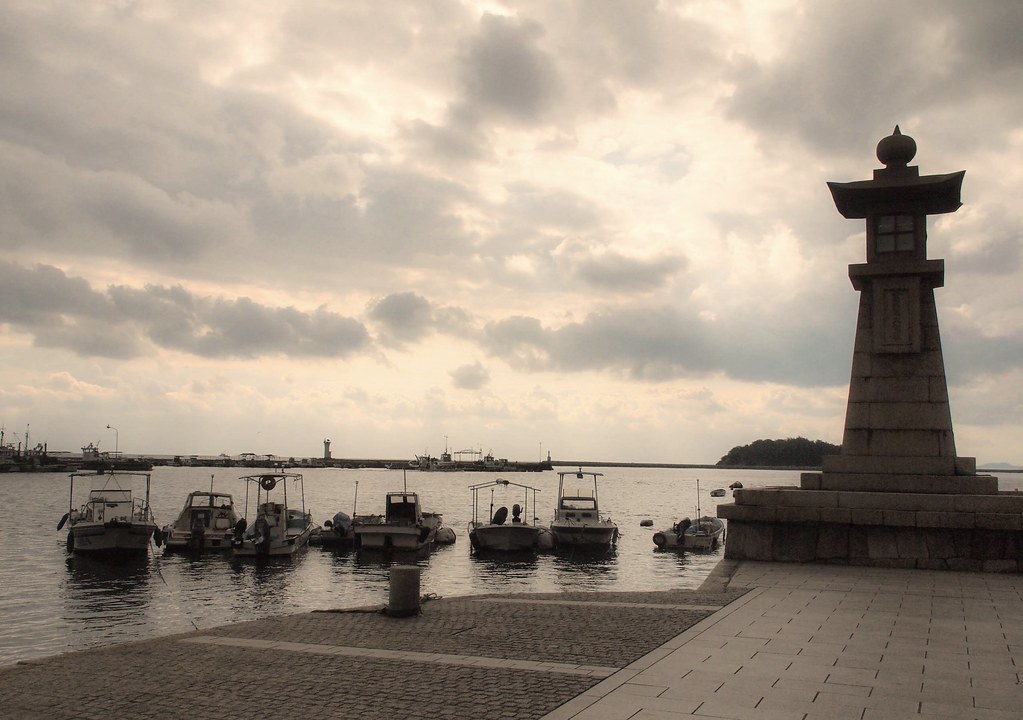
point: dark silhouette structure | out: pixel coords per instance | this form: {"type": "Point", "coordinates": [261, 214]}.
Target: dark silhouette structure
{"type": "Point", "coordinates": [897, 495]}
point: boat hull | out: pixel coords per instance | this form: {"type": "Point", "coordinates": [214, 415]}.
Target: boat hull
{"type": "Point", "coordinates": [287, 546]}
{"type": "Point", "coordinates": [504, 538]}
{"type": "Point", "coordinates": [707, 533]}
{"type": "Point", "coordinates": [111, 538]}
{"type": "Point", "coordinates": [177, 541]}
{"type": "Point", "coordinates": [593, 536]}
{"type": "Point", "coordinates": [386, 537]}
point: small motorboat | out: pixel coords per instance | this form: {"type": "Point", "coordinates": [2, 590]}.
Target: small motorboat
{"type": "Point", "coordinates": [111, 522]}
{"type": "Point", "coordinates": [671, 539]}
{"type": "Point", "coordinates": [206, 522]}
{"type": "Point", "coordinates": [577, 520]}
{"type": "Point", "coordinates": [706, 533]}
{"type": "Point", "coordinates": [735, 486]}
{"type": "Point", "coordinates": [279, 530]}
{"type": "Point", "coordinates": [403, 526]}
{"type": "Point", "coordinates": [497, 534]}
{"type": "Point", "coordinates": [718, 492]}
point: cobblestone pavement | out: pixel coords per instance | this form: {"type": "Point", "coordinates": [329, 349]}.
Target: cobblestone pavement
{"type": "Point", "coordinates": [511, 656]}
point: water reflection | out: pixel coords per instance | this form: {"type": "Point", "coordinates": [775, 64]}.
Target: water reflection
{"type": "Point", "coordinates": [384, 559]}
{"type": "Point", "coordinates": [494, 571]}
{"type": "Point", "coordinates": [105, 602]}
{"type": "Point", "coordinates": [677, 558]}
{"type": "Point", "coordinates": [501, 561]}
{"type": "Point", "coordinates": [95, 588]}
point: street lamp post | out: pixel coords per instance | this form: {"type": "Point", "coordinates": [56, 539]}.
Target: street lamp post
{"type": "Point", "coordinates": [116, 434]}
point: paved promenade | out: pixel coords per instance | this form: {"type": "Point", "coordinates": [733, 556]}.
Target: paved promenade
{"type": "Point", "coordinates": [833, 643]}
{"type": "Point", "coordinates": [759, 640]}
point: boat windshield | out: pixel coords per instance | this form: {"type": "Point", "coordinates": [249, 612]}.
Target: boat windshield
{"type": "Point", "coordinates": [578, 503]}
{"type": "Point", "coordinates": [110, 496]}
{"type": "Point", "coordinates": [206, 501]}
{"type": "Point", "coordinates": [402, 507]}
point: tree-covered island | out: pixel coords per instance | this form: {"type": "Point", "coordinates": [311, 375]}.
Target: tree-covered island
{"type": "Point", "coordinates": [792, 452]}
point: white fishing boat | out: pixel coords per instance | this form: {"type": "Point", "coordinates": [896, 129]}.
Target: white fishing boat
{"type": "Point", "coordinates": [577, 520]}
{"type": "Point", "coordinates": [403, 526]}
{"type": "Point", "coordinates": [498, 533]}
{"type": "Point", "coordinates": [111, 521]}
{"type": "Point", "coordinates": [280, 529]}
{"type": "Point", "coordinates": [706, 533]}
{"type": "Point", "coordinates": [206, 522]}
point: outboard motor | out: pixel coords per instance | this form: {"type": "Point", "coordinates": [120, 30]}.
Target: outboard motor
{"type": "Point", "coordinates": [239, 531]}
{"type": "Point", "coordinates": [516, 513]}
{"type": "Point", "coordinates": [198, 532]}
{"type": "Point", "coordinates": [341, 524]}
{"type": "Point", "coordinates": [261, 537]}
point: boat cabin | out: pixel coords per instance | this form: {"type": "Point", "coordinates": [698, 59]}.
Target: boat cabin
{"type": "Point", "coordinates": [403, 507]}
{"type": "Point", "coordinates": [214, 511]}
{"type": "Point", "coordinates": [578, 507]}
{"type": "Point", "coordinates": [108, 504]}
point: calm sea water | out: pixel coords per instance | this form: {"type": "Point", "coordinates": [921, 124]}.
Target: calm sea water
{"type": "Point", "coordinates": [52, 602]}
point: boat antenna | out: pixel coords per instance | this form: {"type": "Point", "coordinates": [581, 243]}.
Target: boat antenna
{"type": "Point", "coordinates": [355, 502]}
{"type": "Point", "coordinates": [491, 504]}
{"type": "Point", "coordinates": [404, 479]}
{"type": "Point", "coordinates": [211, 483]}
{"type": "Point", "coordinates": [698, 511]}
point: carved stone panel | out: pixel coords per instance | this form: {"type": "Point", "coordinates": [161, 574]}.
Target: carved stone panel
{"type": "Point", "coordinates": [897, 314]}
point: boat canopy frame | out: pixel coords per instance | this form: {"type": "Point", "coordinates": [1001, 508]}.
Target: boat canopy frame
{"type": "Point", "coordinates": [267, 481]}
{"type": "Point", "coordinates": [504, 483]}
{"type": "Point", "coordinates": [111, 476]}
{"type": "Point", "coordinates": [580, 474]}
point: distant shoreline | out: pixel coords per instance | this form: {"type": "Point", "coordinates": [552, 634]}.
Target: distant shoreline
{"type": "Point", "coordinates": [403, 464]}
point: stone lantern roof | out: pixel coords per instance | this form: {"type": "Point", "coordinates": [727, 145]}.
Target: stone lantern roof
{"type": "Point", "coordinates": [898, 186]}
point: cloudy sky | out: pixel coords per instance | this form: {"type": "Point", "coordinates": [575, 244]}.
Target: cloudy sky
{"type": "Point", "coordinates": [595, 228]}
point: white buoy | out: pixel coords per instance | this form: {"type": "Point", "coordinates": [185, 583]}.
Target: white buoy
{"type": "Point", "coordinates": [404, 597]}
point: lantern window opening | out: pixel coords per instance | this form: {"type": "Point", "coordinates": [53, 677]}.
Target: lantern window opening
{"type": "Point", "coordinates": [895, 233]}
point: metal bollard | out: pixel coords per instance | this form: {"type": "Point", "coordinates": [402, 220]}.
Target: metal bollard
{"type": "Point", "coordinates": [404, 597]}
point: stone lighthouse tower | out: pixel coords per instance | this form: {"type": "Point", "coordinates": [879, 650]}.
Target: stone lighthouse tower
{"type": "Point", "coordinates": [897, 495]}
{"type": "Point", "coordinates": [898, 420]}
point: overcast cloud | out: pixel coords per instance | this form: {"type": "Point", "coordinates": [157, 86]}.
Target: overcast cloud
{"type": "Point", "coordinates": [500, 223]}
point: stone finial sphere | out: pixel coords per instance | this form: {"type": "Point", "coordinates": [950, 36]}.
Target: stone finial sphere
{"type": "Point", "coordinates": [897, 149]}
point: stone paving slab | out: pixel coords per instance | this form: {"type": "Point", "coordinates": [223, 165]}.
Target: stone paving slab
{"type": "Point", "coordinates": [827, 641]}
{"type": "Point", "coordinates": [513, 656]}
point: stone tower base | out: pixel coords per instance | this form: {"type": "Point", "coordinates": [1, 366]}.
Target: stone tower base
{"type": "Point", "coordinates": [958, 522]}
